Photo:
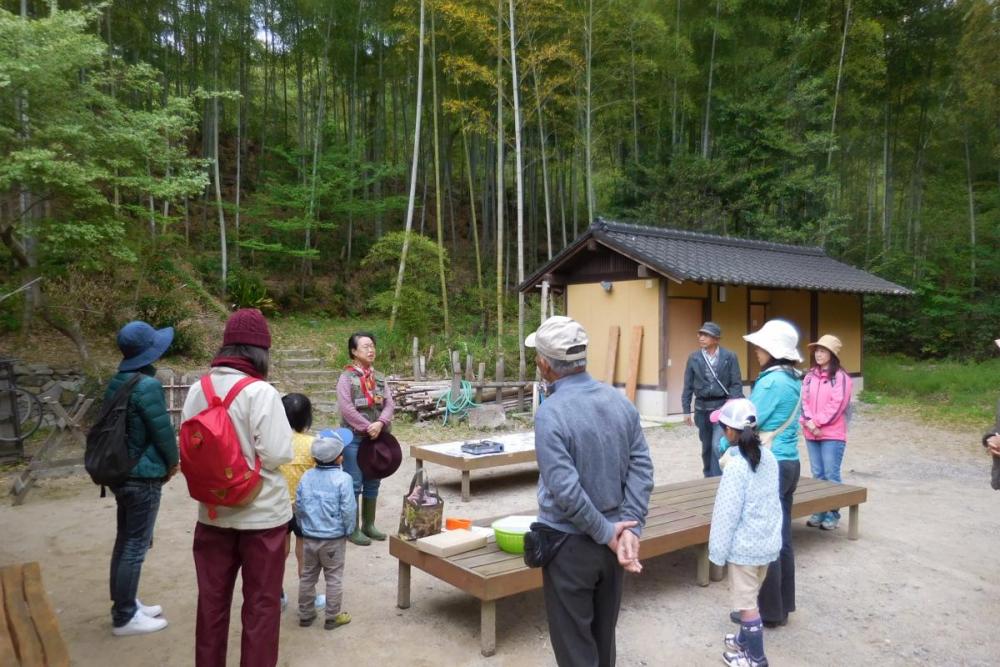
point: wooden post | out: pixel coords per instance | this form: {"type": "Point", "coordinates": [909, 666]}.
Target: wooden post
{"type": "Point", "coordinates": [480, 376]}
{"type": "Point", "coordinates": [403, 586]}
{"type": "Point", "coordinates": [545, 299]}
{"type": "Point", "coordinates": [416, 359]}
{"type": "Point", "coordinates": [456, 375]}
{"type": "Point", "coordinates": [469, 375]}
{"type": "Point", "coordinates": [716, 572]}
{"type": "Point", "coordinates": [633, 363]}
{"type": "Point", "coordinates": [488, 627]}
{"type": "Point", "coordinates": [500, 378]}
{"type": "Point", "coordinates": [466, 485]}
{"type": "Point", "coordinates": [423, 366]}
{"type": "Point", "coordinates": [853, 519]}
{"type": "Point", "coordinates": [612, 358]}
{"type": "Point", "coordinates": [703, 565]}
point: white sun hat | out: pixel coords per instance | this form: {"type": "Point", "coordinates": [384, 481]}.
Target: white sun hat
{"type": "Point", "coordinates": [737, 413]}
{"type": "Point", "coordinates": [778, 338]}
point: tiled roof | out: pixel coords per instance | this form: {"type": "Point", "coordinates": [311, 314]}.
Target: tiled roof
{"type": "Point", "coordinates": [692, 256]}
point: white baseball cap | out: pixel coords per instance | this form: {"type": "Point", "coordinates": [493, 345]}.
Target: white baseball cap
{"type": "Point", "coordinates": [559, 337]}
{"type": "Point", "coordinates": [778, 338]}
{"type": "Point", "coordinates": [737, 413]}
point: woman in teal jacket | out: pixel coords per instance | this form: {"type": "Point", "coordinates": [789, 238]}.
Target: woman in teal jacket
{"type": "Point", "coordinates": [151, 440]}
{"type": "Point", "coordinates": [776, 396]}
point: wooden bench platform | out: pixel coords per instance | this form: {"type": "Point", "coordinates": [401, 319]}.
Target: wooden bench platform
{"type": "Point", "coordinates": [679, 516]}
{"type": "Point", "coordinates": [29, 630]}
{"type": "Point", "coordinates": [518, 448]}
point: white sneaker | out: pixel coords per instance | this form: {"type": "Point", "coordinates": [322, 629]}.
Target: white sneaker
{"type": "Point", "coordinates": [152, 610]}
{"type": "Point", "coordinates": [140, 625]}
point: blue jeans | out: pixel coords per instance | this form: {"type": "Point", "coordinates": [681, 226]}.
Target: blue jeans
{"type": "Point", "coordinates": [368, 488]}
{"type": "Point", "coordinates": [777, 594]}
{"type": "Point", "coordinates": [825, 457]}
{"type": "Point", "coordinates": [710, 434]}
{"type": "Point", "coordinates": [138, 503]}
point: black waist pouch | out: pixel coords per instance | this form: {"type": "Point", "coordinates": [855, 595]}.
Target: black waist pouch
{"type": "Point", "coordinates": [541, 544]}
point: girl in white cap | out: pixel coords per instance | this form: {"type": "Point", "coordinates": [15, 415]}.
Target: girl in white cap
{"type": "Point", "coordinates": [826, 396]}
{"type": "Point", "coordinates": [776, 396]}
{"type": "Point", "coordinates": [746, 526]}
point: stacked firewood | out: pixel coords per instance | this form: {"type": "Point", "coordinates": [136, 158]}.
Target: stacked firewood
{"type": "Point", "coordinates": [420, 398]}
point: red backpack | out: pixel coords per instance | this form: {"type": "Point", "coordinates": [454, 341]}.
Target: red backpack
{"type": "Point", "coordinates": [211, 456]}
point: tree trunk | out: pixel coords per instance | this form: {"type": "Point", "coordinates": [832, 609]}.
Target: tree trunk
{"type": "Point", "coordinates": [413, 173]}
{"type": "Point", "coordinates": [711, 72]}
{"type": "Point", "coordinates": [589, 53]}
{"type": "Point", "coordinates": [972, 214]}
{"type": "Point", "coordinates": [499, 175]}
{"type": "Point", "coordinates": [519, 176]}
{"type": "Point", "coordinates": [437, 179]}
{"type": "Point", "coordinates": [673, 104]}
{"type": "Point", "coordinates": [836, 91]}
{"type": "Point", "coordinates": [475, 226]}
{"type": "Point", "coordinates": [545, 163]}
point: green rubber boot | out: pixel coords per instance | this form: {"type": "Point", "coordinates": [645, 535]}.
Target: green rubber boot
{"type": "Point", "coordinates": [358, 537]}
{"type": "Point", "coordinates": [368, 519]}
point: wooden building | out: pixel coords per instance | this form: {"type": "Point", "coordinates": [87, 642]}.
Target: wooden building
{"type": "Point", "coordinates": [669, 282]}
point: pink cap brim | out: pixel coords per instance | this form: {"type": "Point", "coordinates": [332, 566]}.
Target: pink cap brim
{"type": "Point", "coordinates": [715, 416]}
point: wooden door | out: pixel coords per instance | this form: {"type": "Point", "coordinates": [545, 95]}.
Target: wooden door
{"type": "Point", "coordinates": [683, 320]}
{"type": "Point", "coordinates": [758, 315]}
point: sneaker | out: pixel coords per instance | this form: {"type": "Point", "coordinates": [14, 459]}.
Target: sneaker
{"type": "Point", "coordinates": [740, 659]}
{"type": "Point", "coordinates": [139, 625]}
{"type": "Point", "coordinates": [829, 524]}
{"type": "Point", "coordinates": [306, 622]}
{"type": "Point", "coordinates": [733, 642]}
{"type": "Point", "coordinates": [152, 610]}
{"type": "Point", "coordinates": [343, 618]}
{"type": "Point", "coordinates": [815, 521]}
{"type": "Point", "coordinates": [320, 601]}
{"type": "Point", "coordinates": [284, 601]}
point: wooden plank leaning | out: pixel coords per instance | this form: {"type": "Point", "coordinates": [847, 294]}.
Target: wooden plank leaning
{"type": "Point", "coordinates": [22, 630]}
{"type": "Point", "coordinates": [44, 617]}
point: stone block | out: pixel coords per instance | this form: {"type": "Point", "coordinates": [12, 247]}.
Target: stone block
{"type": "Point", "coordinates": [487, 416]}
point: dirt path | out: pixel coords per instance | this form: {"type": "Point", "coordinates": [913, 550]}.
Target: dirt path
{"type": "Point", "coordinates": [919, 587]}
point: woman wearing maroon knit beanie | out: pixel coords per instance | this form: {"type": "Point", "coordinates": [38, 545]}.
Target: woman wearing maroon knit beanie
{"type": "Point", "coordinates": [250, 538]}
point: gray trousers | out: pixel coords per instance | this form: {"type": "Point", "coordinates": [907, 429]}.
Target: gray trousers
{"type": "Point", "coordinates": [328, 556]}
{"type": "Point", "coordinates": [583, 592]}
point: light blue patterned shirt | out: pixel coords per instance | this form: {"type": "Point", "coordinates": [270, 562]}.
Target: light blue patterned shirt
{"type": "Point", "coordinates": [746, 520]}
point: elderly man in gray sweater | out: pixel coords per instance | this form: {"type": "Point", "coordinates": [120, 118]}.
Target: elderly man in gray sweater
{"type": "Point", "coordinates": [595, 477]}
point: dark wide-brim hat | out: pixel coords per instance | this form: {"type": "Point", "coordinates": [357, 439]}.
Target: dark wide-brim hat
{"type": "Point", "coordinates": [381, 457]}
{"type": "Point", "coordinates": [141, 344]}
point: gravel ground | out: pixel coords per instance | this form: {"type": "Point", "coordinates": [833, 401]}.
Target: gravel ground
{"type": "Point", "coordinates": [907, 593]}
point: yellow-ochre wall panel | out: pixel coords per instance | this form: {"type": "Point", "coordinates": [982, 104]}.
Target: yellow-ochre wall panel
{"type": "Point", "coordinates": [629, 303]}
{"type": "Point", "coordinates": [732, 317]}
{"type": "Point", "coordinates": [792, 305]}
{"type": "Point", "coordinates": [840, 315]}
{"type": "Point", "coordinates": [687, 289]}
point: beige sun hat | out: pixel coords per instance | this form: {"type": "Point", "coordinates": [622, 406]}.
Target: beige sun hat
{"type": "Point", "coordinates": [778, 338]}
{"type": "Point", "coordinates": [559, 337]}
{"type": "Point", "coordinates": [830, 342]}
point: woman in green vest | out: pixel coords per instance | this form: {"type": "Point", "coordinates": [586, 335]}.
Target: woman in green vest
{"type": "Point", "coordinates": [366, 407]}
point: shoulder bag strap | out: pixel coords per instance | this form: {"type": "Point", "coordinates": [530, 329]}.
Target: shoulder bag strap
{"type": "Point", "coordinates": [126, 388]}
{"type": "Point", "coordinates": [237, 388]}
{"type": "Point", "coordinates": [712, 370]}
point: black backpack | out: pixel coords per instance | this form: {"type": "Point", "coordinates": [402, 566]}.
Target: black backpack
{"type": "Point", "coordinates": [106, 458]}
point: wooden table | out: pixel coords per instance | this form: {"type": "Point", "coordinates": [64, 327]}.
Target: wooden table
{"type": "Point", "coordinates": [679, 516]}
{"type": "Point", "coordinates": [518, 448]}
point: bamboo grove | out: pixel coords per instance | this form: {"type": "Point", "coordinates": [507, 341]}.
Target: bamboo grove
{"type": "Point", "coordinates": [293, 140]}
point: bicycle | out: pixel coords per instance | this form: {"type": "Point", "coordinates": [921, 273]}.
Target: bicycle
{"type": "Point", "coordinates": [21, 408]}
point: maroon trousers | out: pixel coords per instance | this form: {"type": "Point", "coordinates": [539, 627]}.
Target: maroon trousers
{"type": "Point", "coordinates": [219, 554]}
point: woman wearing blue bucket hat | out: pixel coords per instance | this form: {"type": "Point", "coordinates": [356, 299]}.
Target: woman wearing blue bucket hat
{"type": "Point", "coordinates": [150, 440]}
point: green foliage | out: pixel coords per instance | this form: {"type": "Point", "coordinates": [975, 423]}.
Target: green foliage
{"type": "Point", "coordinates": [246, 290]}
{"type": "Point", "coordinates": [419, 308]}
{"type": "Point", "coordinates": [954, 391]}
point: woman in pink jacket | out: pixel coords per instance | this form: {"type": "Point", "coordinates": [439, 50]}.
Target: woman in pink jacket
{"type": "Point", "coordinates": [826, 396]}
